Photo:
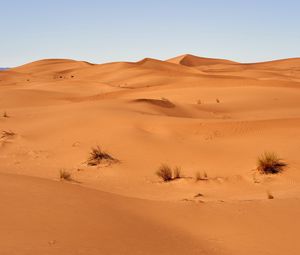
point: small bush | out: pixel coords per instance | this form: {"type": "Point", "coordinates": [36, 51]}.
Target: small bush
{"type": "Point", "coordinates": [218, 100]}
{"type": "Point", "coordinates": [65, 175]}
{"type": "Point", "coordinates": [177, 173]}
{"type": "Point", "coordinates": [5, 115]}
{"type": "Point", "coordinates": [165, 173]}
{"type": "Point", "coordinates": [199, 101]}
{"type": "Point", "coordinates": [270, 196]}
{"type": "Point", "coordinates": [270, 163]}
{"type": "Point", "coordinates": [200, 177]}
{"type": "Point", "coordinates": [98, 156]}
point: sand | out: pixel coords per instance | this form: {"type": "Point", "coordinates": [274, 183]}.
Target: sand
{"type": "Point", "coordinates": [203, 115]}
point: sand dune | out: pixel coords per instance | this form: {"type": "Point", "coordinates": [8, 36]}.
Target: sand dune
{"type": "Point", "coordinates": [203, 115]}
{"type": "Point", "coordinates": [193, 61]}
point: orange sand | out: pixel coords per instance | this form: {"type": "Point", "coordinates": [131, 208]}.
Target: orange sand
{"type": "Point", "coordinates": [145, 114]}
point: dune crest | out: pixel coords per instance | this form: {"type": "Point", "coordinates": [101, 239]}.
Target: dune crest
{"type": "Point", "coordinates": [191, 60]}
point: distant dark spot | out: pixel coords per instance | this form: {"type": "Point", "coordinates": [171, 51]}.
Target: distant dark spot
{"type": "Point", "coordinates": [199, 195]}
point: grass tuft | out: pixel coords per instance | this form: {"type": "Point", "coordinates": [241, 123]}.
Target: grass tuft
{"type": "Point", "coordinates": [98, 156]}
{"type": "Point", "coordinates": [5, 115]}
{"type": "Point", "coordinates": [165, 173]}
{"type": "Point", "coordinates": [270, 163]}
{"type": "Point", "coordinates": [270, 196]}
{"type": "Point", "coordinates": [65, 175]}
{"type": "Point", "coordinates": [200, 177]}
{"type": "Point", "coordinates": [177, 173]}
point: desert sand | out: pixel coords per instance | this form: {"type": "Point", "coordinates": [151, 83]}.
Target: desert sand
{"type": "Point", "coordinates": [213, 117]}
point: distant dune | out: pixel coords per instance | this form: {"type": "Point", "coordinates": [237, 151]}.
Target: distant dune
{"type": "Point", "coordinates": [191, 60]}
{"type": "Point", "coordinates": [206, 120]}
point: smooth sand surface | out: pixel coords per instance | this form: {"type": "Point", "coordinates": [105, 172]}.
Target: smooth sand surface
{"type": "Point", "coordinates": [211, 116]}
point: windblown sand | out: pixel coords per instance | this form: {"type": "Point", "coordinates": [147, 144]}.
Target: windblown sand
{"type": "Point", "coordinates": [208, 116]}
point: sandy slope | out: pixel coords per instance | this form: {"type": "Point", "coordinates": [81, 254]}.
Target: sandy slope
{"type": "Point", "coordinates": [204, 115]}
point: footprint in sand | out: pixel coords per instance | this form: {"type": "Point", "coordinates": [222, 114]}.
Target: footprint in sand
{"type": "Point", "coordinates": [6, 137]}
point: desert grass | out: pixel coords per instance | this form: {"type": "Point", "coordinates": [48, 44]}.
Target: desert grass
{"type": "Point", "coordinates": [270, 196]}
{"type": "Point", "coordinates": [98, 156]}
{"type": "Point", "coordinates": [5, 115]}
{"type": "Point", "coordinates": [270, 163]}
{"type": "Point", "coordinates": [198, 176]}
{"type": "Point", "coordinates": [65, 175]}
{"type": "Point", "coordinates": [201, 177]}
{"type": "Point", "coordinates": [177, 173]}
{"type": "Point", "coordinates": [165, 173]}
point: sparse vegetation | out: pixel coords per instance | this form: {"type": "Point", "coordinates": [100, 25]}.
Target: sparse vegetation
{"type": "Point", "coordinates": [177, 172]}
{"type": "Point", "coordinates": [98, 156]}
{"type": "Point", "coordinates": [65, 175]}
{"type": "Point", "coordinates": [270, 163]}
{"type": "Point", "coordinates": [165, 173]}
{"type": "Point", "coordinates": [270, 196]}
{"type": "Point", "coordinates": [5, 115]}
{"type": "Point", "coordinates": [200, 177]}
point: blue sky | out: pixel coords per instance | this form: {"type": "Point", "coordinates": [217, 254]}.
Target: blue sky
{"type": "Point", "coordinates": [128, 30]}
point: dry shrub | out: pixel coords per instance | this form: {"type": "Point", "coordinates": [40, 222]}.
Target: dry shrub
{"type": "Point", "coordinates": [201, 177]}
{"type": "Point", "coordinates": [98, 156]}
{"type": "Point", "coordinates": [165, 173]}
{"type": "Point", "coordinates": [5, 115]}
{"type": "Point", "coordinates": [65, 175]}
{"type": "Point", "coordinates": [270, 163]}
{"type": "Point", "coordinates": [177, 173]}
{"type": "Point", "coordinates": [198, 176]}
{"type": "Point", "coordinates": [270, 196]}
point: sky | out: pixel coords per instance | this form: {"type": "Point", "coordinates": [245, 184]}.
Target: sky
{"type": "Point", "coordinates": [101, 31]}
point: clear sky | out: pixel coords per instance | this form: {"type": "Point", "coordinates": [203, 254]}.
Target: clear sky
{"type": "Point", "coordinates": [128, 30]}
